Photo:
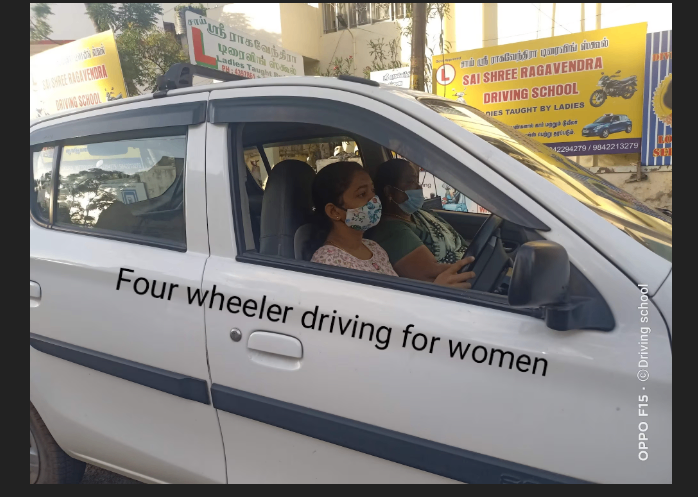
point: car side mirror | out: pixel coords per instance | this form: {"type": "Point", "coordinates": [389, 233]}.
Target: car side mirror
{"type": "Point", "coordinates": [541, 275]}
{"type": "Point", "coordinates": [542, 279]}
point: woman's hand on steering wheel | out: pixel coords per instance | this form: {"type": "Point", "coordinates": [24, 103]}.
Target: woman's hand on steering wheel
{"type": "Point", "coordinates": [451, 278]}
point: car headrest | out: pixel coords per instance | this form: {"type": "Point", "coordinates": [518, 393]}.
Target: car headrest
{"type": "Point", "coordinates": [287, 205]}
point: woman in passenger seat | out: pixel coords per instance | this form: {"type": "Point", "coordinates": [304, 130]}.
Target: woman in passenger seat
{"type": "Point", "coordinates": [346, 206]}
{"type": "Point", "coordinates": [418, 242]}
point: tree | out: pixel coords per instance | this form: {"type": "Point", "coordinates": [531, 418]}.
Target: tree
{"type": "Point", "coordinates": [106, 16]}
{"type": "Point", "coordinates": [145, 54]}
{"type": "Point", "coordinates": [39, 28]}
{"type": "Point", "coordinates": [145, 51]}
{"type": "Point", "coordinates": [434, 10]}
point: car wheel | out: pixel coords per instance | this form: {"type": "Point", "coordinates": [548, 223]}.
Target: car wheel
{"type": "Point", "coordinates": [629, 128]}
{"type": "Point", "coordinates": [604, 133]}
{"type": "Point", "coordinates": [47, 461]}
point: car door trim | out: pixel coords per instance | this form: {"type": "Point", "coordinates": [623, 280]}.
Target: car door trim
{"type": "Point", "coordinates": [433, 457]}
{"type": "Point", "coordinates": [161, 116]}
{"type": "Point", "coordinates": [170, 382]}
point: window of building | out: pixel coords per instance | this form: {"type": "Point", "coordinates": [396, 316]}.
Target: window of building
{"type": "Point", "coordinates": [127, 187]}
{"type": "Point", "coordinates": [338, 16]}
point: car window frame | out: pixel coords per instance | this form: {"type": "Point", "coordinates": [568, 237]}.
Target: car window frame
{"type": "Point", "coordinates": [244, 254]}
{"type": "Point", "coordinates": [152, 132]}
{"type": "Point", "coordinates": [34, 214]}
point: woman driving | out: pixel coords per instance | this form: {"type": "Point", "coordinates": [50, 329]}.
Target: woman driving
{"type": "Point", "coordinates": [346, 206]}
{"type": "Point", "coordinates": [418, 242]}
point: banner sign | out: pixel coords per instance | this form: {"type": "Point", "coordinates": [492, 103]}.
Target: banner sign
{"type": "Point", "coordinates": [656, 136]}
{"type": "Point", "coordinates": [393, 77]}
{"type": "Point", "coordinates": [82, 73]}
{"type": "Point", "coordinates": [580, 94]}
{"type": "Point", "coordinates": [217, 46]}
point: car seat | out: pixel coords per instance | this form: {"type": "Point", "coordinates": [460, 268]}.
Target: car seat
{"type": "Point", "coordinates": [287, 205]}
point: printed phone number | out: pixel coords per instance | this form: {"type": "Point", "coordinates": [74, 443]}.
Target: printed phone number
{"type": "Point", "coordinates": [598, 146]}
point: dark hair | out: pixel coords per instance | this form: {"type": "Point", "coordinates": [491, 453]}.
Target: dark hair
{"type": "Point", "coordinates": [389, 174]}
{"type": "Point", "coordinates": [328, 187]}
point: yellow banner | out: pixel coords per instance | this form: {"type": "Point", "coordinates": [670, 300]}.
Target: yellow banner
{"type": "Point", "coordinates": [580, 93]}
{"type": "Point", "coordinates": [83, 73]}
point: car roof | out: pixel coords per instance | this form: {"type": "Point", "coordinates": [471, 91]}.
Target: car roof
{"type": "Point", "coordinates": [304, 81]}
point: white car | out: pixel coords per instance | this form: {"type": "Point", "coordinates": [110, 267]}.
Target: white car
{"type": "Point", "coordinates": [179, 333]}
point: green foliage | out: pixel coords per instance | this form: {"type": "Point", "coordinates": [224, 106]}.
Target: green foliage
{"type": "Point", "coordinates": [385, 56]}
{"type": "Point", "coordinates": [145, 54]}
{"type": "Point", "coordinates": [434, 10]}
{"type": "Point", "coordinates": [39, 28]}
{"type": "Point", "coordinates": [118, 17]}
{"type": "Point", "coordinates": [145, 51]}
{"type": "Point", "coordinates": [339, 65]}
{"type": "Point", "coordinates": [199, 8]}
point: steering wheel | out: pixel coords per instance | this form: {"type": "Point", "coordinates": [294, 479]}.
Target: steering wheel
{"type": "Point", "coordinates": [483, 251]}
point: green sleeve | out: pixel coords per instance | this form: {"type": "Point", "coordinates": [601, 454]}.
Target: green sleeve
{"type": "Point", "coordinates": [397, 239]}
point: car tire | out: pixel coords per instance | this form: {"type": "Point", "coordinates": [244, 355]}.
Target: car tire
{"type": "Point", "coordinates": [604, 134]}
{"type": "Point", "coordinates": [50, 463]}
{"type": "Point", "coordinates": [629, 128]}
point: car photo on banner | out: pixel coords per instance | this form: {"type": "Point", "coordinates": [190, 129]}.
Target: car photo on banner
{"type": "Point", "coordinates": [608, 124]}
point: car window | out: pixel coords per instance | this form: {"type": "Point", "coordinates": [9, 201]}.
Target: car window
{"type": "Point", "coordinates": [131, 187]}
{"type": "Point", "coordinates": [43, 184]}
{"type": "Point", "coordinates": [613, 204]}
{"type": "Point", "coordinates": [565, 174]}
{"type": "Point", "coordinates": [616, 119]}
{"type": "Point", "coordinates": [449, 199]}
{"type": "Point", "coordinates": [318, 152]}
{"type": "Point", "coordinates": [603, 120]}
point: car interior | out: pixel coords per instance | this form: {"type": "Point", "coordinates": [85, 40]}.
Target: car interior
{"type": "Point", "coordinates": [281, 212]}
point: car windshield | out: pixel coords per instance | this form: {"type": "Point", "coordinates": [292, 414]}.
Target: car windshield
{"type": "Point", "coordinates": [642, 223]}
{"type": "Point", "coordinates": [603, 119]}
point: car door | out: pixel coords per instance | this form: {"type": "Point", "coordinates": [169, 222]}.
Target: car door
{"type": "Point", "coordinates": [616, 124]}
{"type": "Point", "coordinates": [403, 381]}
{"type": "Point", "coordinates": [118, 366]}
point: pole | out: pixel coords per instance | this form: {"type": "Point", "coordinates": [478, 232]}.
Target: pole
{"type": "Point", "coordinates": [490, 31]}
{"type": "Point", "coordinates": [595, 162]}
{"type": "Point", "coordinates": [553, 18]}
{"type": "Point", "coordinates": [583, 21]}
{"type": "Point", "coordinates": [419, 35]}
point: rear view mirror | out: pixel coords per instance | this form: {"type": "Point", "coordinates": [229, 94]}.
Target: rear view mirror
{"type": "Point", "coordinates": [541, 275]}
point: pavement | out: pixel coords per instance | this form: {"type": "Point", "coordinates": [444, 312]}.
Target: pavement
{"type": "Point", "coordinates": [95, 475]}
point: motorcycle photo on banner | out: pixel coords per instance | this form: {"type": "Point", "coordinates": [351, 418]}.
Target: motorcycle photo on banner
{"type": "Point", "coordinates": [610, 87]}
{"type": "Point", "coordinates": [574, 93]}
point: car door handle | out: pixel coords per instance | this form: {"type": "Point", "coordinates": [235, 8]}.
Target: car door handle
{"type": "Point", "coordinates": [275, 343]}
{"type": "Point", "coordinates": [34, 290]}
{"type": "Point", "coordinates": [34, 294]}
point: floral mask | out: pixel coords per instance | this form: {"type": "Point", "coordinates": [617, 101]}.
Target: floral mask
{"type": "Point", "coordinates": [365, 217]}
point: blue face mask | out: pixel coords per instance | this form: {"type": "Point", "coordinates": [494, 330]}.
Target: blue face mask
{"type": "Point", "coordinates": [414, 202]}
